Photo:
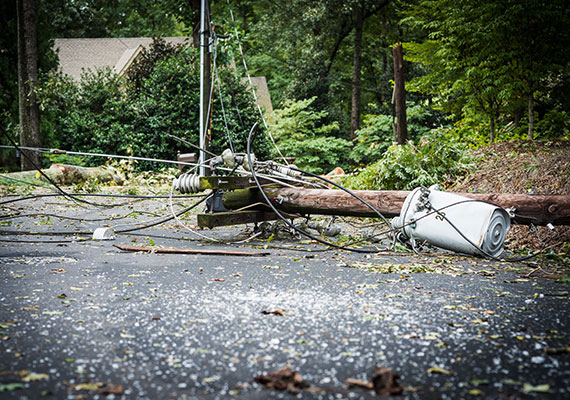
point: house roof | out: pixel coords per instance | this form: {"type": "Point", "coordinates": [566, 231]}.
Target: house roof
{"type": "Point", "coordinates": [79, 55]}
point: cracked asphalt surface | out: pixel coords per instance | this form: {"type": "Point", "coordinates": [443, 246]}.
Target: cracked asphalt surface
{"type": "Point", "coordinates": [83, 319]}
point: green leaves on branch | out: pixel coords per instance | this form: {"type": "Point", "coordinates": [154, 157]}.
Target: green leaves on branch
{"type": "Point", "coordinates": [405, 167]}
{"type": "Point", "coordinates": [106, 113]}
{"type": "Point", "coordinates": [300, 133]}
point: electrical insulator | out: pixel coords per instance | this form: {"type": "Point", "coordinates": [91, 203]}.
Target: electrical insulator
{"type": "Point", "coordinates": [187, 183]}
{"type": "Point", "coordinates": [285, 170]}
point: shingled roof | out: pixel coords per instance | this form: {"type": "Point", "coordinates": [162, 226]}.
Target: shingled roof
{"type": "Point", "coordinates": [80, 55]}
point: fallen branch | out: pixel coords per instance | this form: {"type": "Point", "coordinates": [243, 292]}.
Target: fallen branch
{"type": "Point", "coordinates": [190, 251]}
{"type": "Point", "coordinates": [71, 174]}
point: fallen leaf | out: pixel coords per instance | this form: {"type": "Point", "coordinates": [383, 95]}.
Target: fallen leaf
{"type": "Point", "coordinates": [475, 392]}
{"type": "Point", "coordinates": [109, 388]}
{"type": "Point", "coordinates": [386, 382]}
{"type": "Point", "coordinates": [283, 379]}
{"type": "Point", "coordinates": [438, 370]}
{"type": "Point", "coordinates": [557, 350]}
{"type": "Point", "coordinates": [527, 387]}
{"type": "Point", "coordinates": [352, 382]}
{"type": "Point", "coordinates": [274, 312]}
{"type": "Point", "coordinates": [219, 280]}
{"type": "Point", "coordinates": [127, 336]}
{"type": "Point", "coordinates": [58, 270]}
{"type": "Point", "coordinates": [8, 387]}
{"type": "Point", "coordinates": [90, 386]}
{"type": "Point", "coordinates": [33, 377]}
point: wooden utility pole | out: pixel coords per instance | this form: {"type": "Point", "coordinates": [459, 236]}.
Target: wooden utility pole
{"type": "Point", "coordinates": [535, 209]}
{"type": "Point", "coordinates": [400, 94]}
{"type": "Point", "coordinates": [205, 79]}
{"type": "Point", "coordinates": [29, 111]}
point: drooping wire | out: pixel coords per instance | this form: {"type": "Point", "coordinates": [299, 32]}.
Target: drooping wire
{"type": "Point", "coordinates": [165, 219]}
{"type": "Point", "coordinates": [23, 181]}
{"type": "Point", "coordinates": [81, 153]}
{"type": "Point", "coordinates": [77, 200]}
{"type": "Point", "coordinates": [190, 144]}
{"type": "Point", "coordinates": [252, 86]}
{"type": "Point", "coordinates": [133, 196]}
{"type": "Point", "coordinates": [276, 211]}
{"type": "Point", "coordinates": [230, 142]}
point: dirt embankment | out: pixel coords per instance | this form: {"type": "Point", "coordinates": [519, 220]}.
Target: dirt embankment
{"type": "Point", "coordinates": [524, 167]}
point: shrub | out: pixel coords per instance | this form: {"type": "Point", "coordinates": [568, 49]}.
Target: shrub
{"type": "Point", "coordinates": [405, 167]}
{"type": "Point", "coordinates": [300, 133]}
{"type": "Point", "coordinates": [377, 133]}
{"type": "Point", "coordinates": [109, 114]}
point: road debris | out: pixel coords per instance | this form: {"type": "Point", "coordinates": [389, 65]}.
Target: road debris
{"type": "Point", "coordinates": [385, 382]}
{"type": "Point", "coordinates": [283, 379]}
{"type": "Point", "coordinates": [191, 251]}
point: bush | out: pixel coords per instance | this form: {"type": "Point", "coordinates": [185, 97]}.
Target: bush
{"type": "Point", "coordinates": [377, 134]}
{"type": "Point", "coordinates": [433, 160]}
{"type": "Point", "coordinates": [300, 133]}
{"type": "Point", "coordinates": [109, 114]}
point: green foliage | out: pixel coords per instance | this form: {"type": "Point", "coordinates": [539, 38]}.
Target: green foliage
{"type": "Point", "coordinates": [145, 62]}
{"type": "Point", "coordinates": [47, 61]}
{"type": "Point", "coordinates": [116, 18]}
{"type": "Point", "coordinates": [57, 95]}
{"type": "Point", "coordinates": [301, 133]}
{"type": "Point", "coordinates": [377, 133]}
{"type": "Point", "coordinates": [109, 114]}
{"type": "Point", "coordinates": [471, 78]}
{"type": "Point", "coordinates": [373, 139]}
{"type": "Point", "coordinates": [554, 124]}
{"type": "Point", "coordinates": [405, 167]}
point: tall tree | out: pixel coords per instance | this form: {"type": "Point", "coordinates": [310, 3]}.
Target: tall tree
{"type": "Point", "coordinates": [482, 58]}
{"type": "Point", "coordinates": [29, 111]}
{"type": "Point", "coordinates": [356, 68]}
{"type": "Point", "coordinates": [400, 95]}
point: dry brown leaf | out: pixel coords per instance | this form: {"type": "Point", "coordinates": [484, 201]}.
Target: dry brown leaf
{"type": "Point", "coordinates": [274, 312]}
{"type": "Point", "coordinates": [283, 379]}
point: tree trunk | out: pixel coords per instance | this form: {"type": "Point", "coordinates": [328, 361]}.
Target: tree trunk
{"type": "Point", "coordinates": [517, 117]}
{"type": "Point", "coordinates": [492, 130]}
{"type": "Point", "coordinates": [355, 117]}
{"type": "Point", "coordinates": [400, 94]}
{"type": "Point", "coordinates": [530, 117]}
{"type": "Point", "coordinates": [29, 111]}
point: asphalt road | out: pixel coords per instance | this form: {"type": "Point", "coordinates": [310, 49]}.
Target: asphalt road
{"type": "Point", "coordinates": [83, 319]}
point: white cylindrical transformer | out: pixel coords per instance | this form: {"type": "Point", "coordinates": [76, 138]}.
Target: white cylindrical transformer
{"type": "Point", "coordinates": [458, 219]}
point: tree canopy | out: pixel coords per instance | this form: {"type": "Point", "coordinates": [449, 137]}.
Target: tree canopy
{"type": "Point", "coordinates": [496, 70]}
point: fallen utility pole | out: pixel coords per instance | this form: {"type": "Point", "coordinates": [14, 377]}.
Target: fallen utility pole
{"type": "Point", "coordinates": [535, 209]}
